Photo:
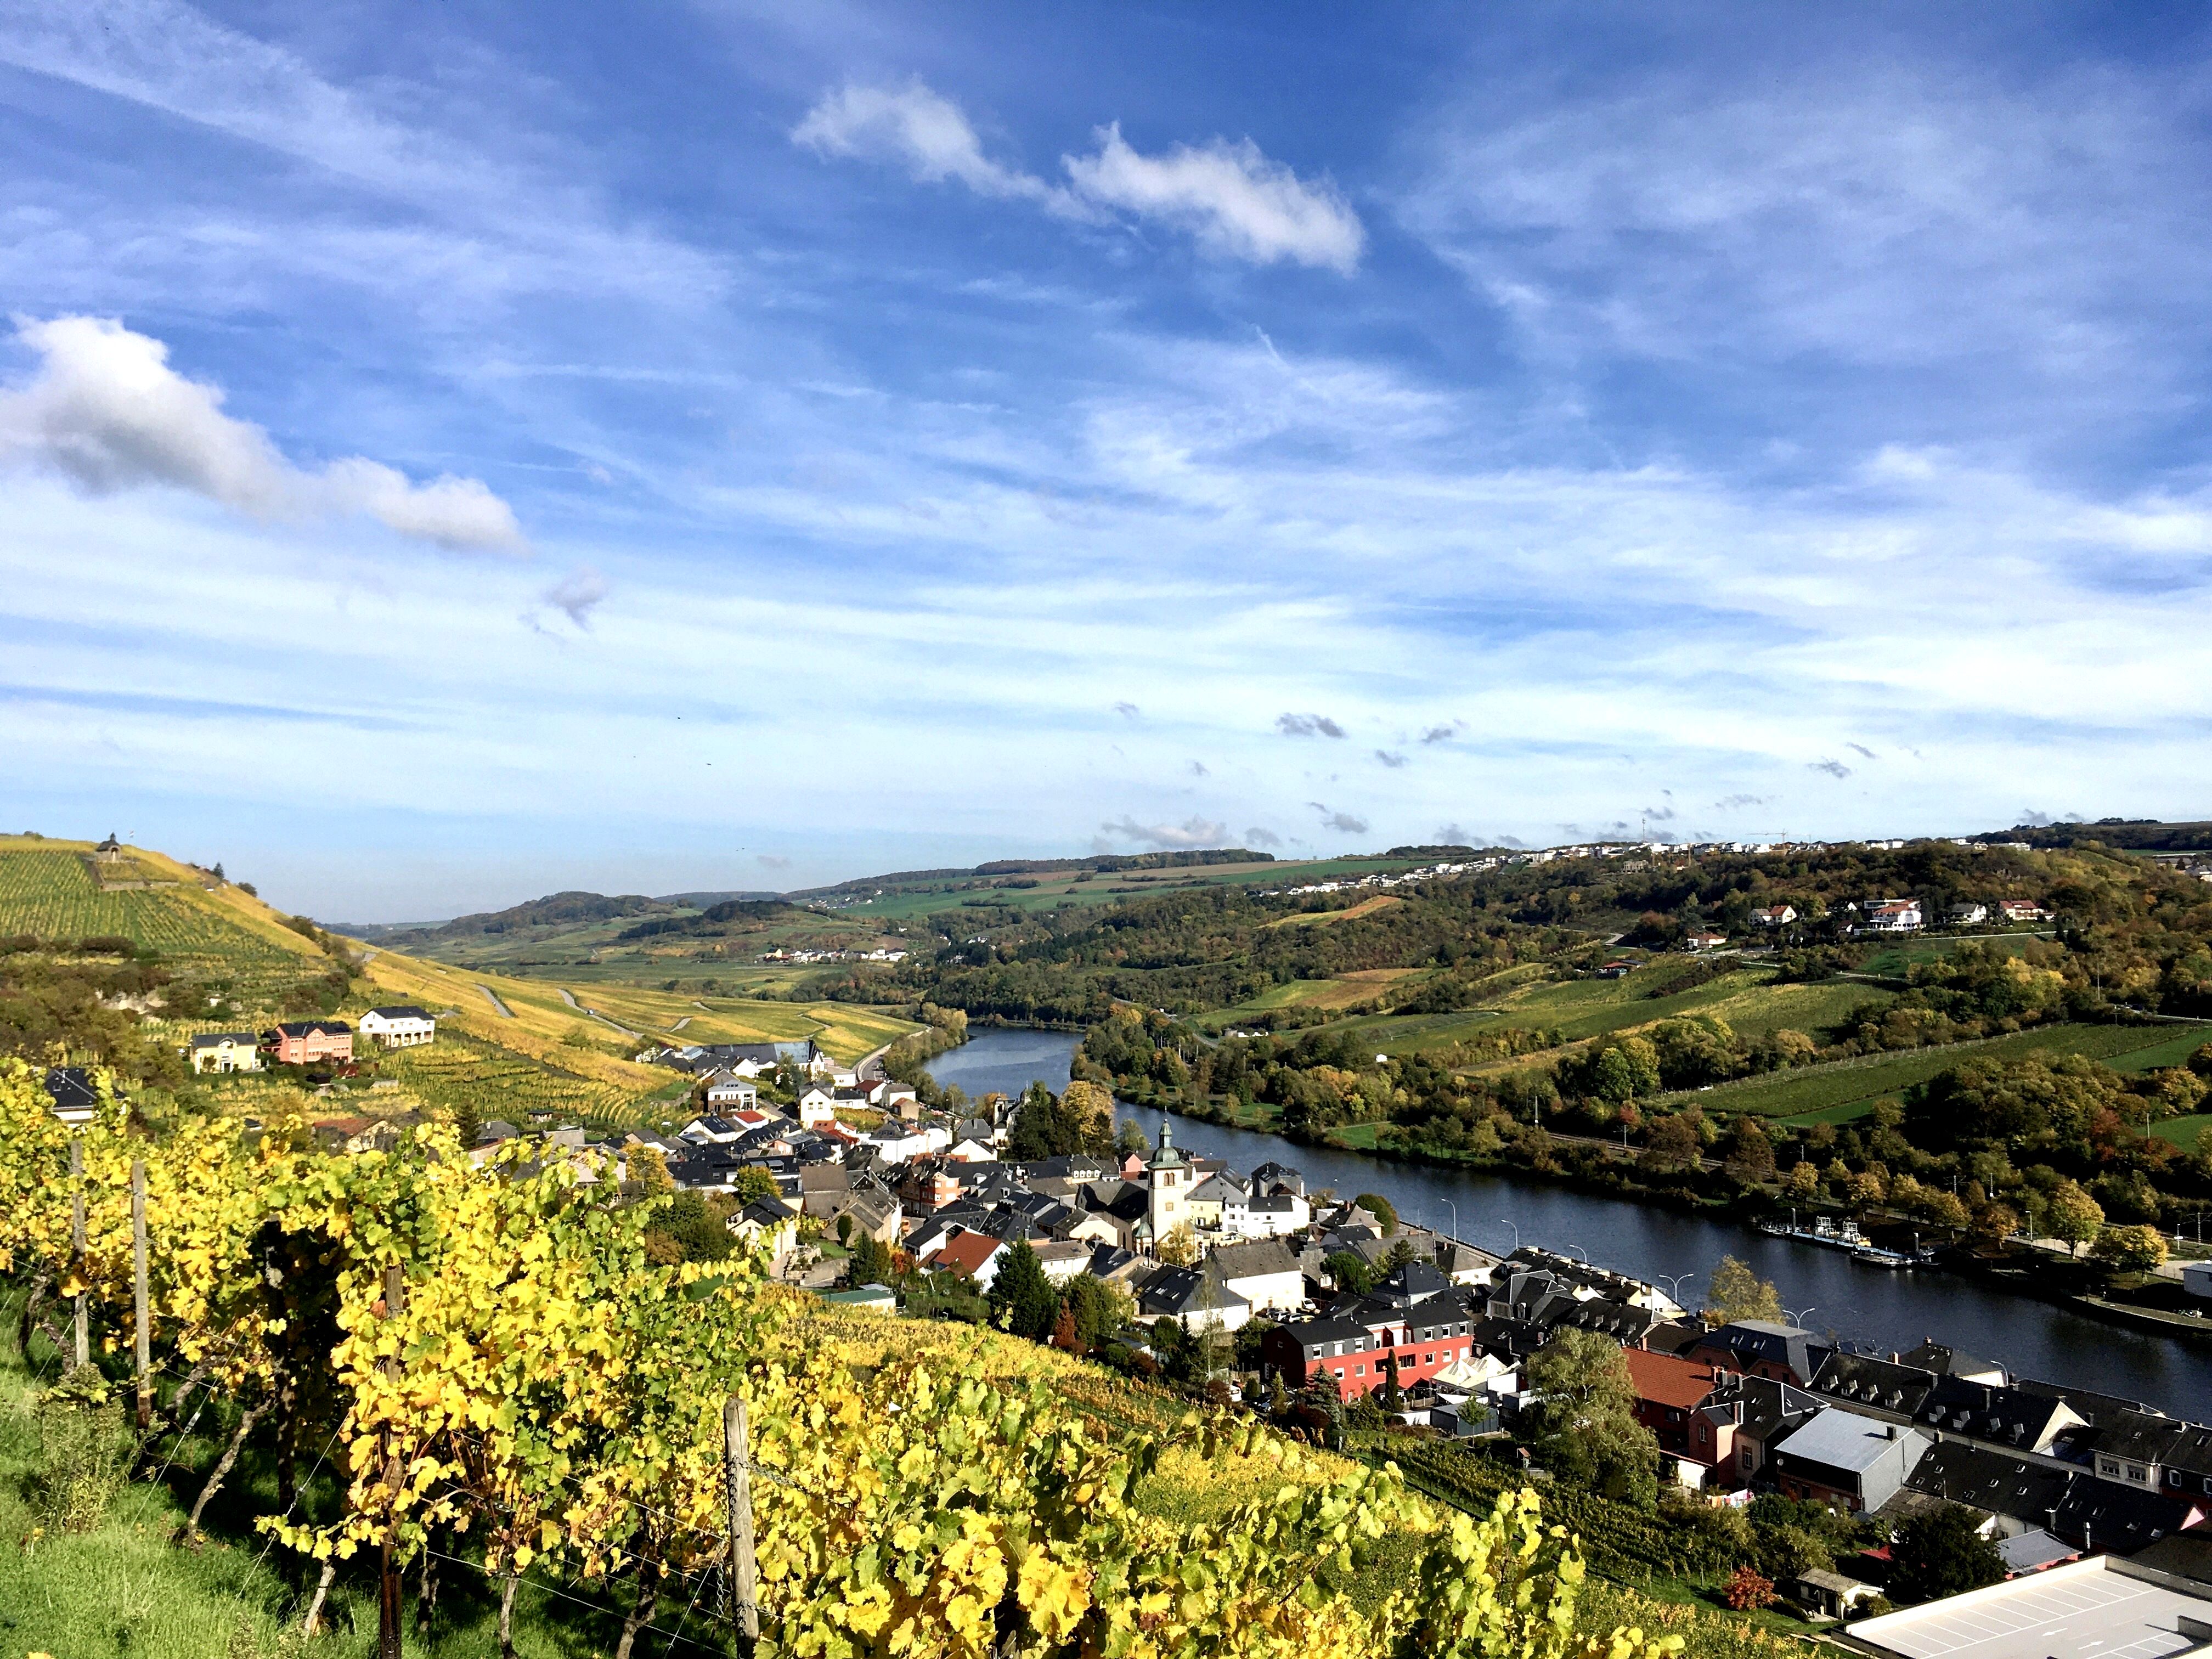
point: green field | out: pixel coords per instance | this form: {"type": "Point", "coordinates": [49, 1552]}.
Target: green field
{"type": "Point", "coordinates": [2183, 1132]}
{"type": "Point", "coordinates": [1838, 1092]}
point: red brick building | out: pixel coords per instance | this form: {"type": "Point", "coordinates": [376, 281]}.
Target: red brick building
{"type": "Point", "coordinates": [1414, 1317]}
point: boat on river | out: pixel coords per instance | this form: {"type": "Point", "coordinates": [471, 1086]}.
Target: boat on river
{"type": "Point", "coordinates": [1826, 1230]}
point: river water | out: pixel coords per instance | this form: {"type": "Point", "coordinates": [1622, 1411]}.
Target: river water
{"type": "Point", "coordinates": [1825, 1289]}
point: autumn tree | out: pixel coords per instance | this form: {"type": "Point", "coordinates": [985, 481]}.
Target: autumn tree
{"type": "Point", "coordinates": [2073, 1216]}
{"type": "Point", "coordinates": [1583, 1420]}
{"type": "Point", "coordinates": [2132, 1249]}
{"type": "Point", "coordinates": [1738, 1293]}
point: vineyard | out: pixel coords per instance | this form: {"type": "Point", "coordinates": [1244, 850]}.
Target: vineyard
{"type": "Point", "coordinates": [461, 1072]}
{"type": "Point", "coordinates": [214, 937]}
{"type": "Point", "coordinates": [510, 1389]}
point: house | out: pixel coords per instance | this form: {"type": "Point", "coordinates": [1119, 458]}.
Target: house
{"type": "Point", "coordinates": [1062, 1259]}
{"type": "Point", "coordinates": [2144, 1451]}
{"type": "Point", "coordinates": [1827, 1595]}
{"type": "Point", "coordinates": [971, 1151]}
{"type": "Point", "coordinates": [1774, 915]}
{"type": "Point", "coordinates": [817, 1103]}
{"type": "Point", "coordinates": [1944, 1360]}
{"type": "Point", "coordinates": [1271, 1178]}
{"type": "Point", "coordinates": [1750, 1415]}
{"type": "Point", "coordinates": [875, 1213]}
{"type": "Point", "coordinates": [971, 1255]}
{"type": "Point", "coordinates": [1193, 1297]}
{"type": "Point", "coordinates": [2022, 1494]}
{"type": "Point", "coordinates": [1265, 1272]}
{"type": "Point", "coordinates": [767, 1222]}
{"type": "Point", "coordinates": [1670, 1393]}
{"type": "Point", "coordinates": [709, 1130]}
{"type": "Point", "coordinates": [1880, 1388]}
{"type": "Point", "coordinates": [1417, 1331]}
{"type": "Point", "coordinates": [2196, 1278]}
{"type": "Point", "coordinates": [728, 1089]}
{"type": "Point", "coordinates": [1890, 916]}
{"type": "Point", "coordinates": [361, 1134]}
{"type": "Point", "coordinates": [1210, 1195]}
{"type": "Point", "coordinates": [225, 1051]}
{"type": "Point", "coordinates": [1846, 1460]}
{"type": "Point", "coordinates": [2016, 910]}
{"type": "Point", "coordinates": [1617, 969]}
{"type": "Point", "coordinates": [2011, 1419]}
{"type": "Point", "coordinates": [1268, 1215]}
{"type": "Point", "coordinates": [402, 1027]}
{"type": "Point", "coordinates": [305, 1041]}
{"type": "Point", "coordinates": [1704, 939]}
{"type": "Point", "coordinates": [1760, 1348]}
{"type": "Point", "coordinates": [75, 1096]}
{"type": "Point", "coordinates": [1967, 915]}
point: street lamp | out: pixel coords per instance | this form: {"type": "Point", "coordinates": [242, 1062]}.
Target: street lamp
{"type": "Point", "coordinates": [1505, 1222]}
{"type": "Point", "coordinates": [1454, 1208]}
{"type": "Point", "coordinates": [1674, 1283]}
{"type": "Point", "coordinates": [1799, 1317]}
{"type": "Point", "coordinates": [1585, 1254]}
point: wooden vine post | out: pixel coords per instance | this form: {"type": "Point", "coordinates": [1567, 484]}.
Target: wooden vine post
{"type": "Point", "coordinates": [738, 1483]}
{"type": "Point", "coordinates": [76, 1251]}
{"type": "Point", "coordinates": [388, 1597]}
{"type": "Point", "coordinates": [139, 1297]}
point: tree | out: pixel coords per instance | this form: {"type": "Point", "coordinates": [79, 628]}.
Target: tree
{"type": "Point", "coordinates": [2132, 1249]}
{"type": "Point", "coordinates": [2073, 1216]}
{"type": "Point", "coordinates": [468, 1126]}
{"type": "Point", "coordinates": [1131, 1138]}
{"type": "Point", "coordinates": [1671, 1144]}
{"type": "Point", "coordinates": [1942, 1554]}
{"type": "Point", "coordinates": [871, 1261]}
{"type": "Point", "coordinates": [1394, 1397]}
{"type": "Point", "coordinates": [1804, 1182]}
{"type": "Point", "coordinates": [1348, 1271]}
{"type": "Point", "coordinates": [753, 1184]}
{"type": "Point", "coordinates": [1022, 1300]}
{"type": "Point", "coordinates": [1089, 1111]}
{"type": "Point", "coordinates": [1994, 1224]}
{"type": "Point", "coordinates": [1400, 1254]}
{"type": "Point", "coordinates": [649, 1169]}
{"type": "Point", "coordinates": [1738, 1293]}
{"type": "Point", "coordinates": [1096, 1310]}
{"type": "Point", "coordinates": [1583, 1421]}
{"type": "Point", "coordinates": [1081, 1119]}
{"type": "Point", "coordinates": [1180, 1247]}
{"type": "Point", "coordinates": [1751, 1154]}
{"type": "Point", "coordinates": [1381, 1209]}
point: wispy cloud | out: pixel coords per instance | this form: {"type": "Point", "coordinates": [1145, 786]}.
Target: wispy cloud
{"type": "Point", "coordinates": [1127, 711]}
{"type": "Point", "coordinates": [1308, 726]}
{"type": "Point", "coordinates": [1863, 750]}
{"type": "Point", "coordinates": [1259, 836]}
{"type": "Point", "coordinates": [1192, 832]}
{"type": "Point", "coordinates": [1231, 199]}
{"type": "Point", "coordinates": [1199, 769]}
{"type": "Point", "coordinates": [1393, 761]}
{"type": "Point", "coordinates": [107, 412]}
{"type": "Point", "coordinates": [1834, 769]}
{"type": "Point", "coordinates": [773, 861]}
{"type": "Point", "coordinates": [1344, 823]}
{"type": "Point", "coordinates": [577, 594]}
{"type": "Point", "coordinates": [1442, 733]}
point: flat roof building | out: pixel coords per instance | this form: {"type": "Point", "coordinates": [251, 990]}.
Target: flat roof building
{"type": "Point", "coordinates": [2101, 1608]}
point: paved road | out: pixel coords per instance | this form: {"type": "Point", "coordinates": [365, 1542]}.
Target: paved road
{"type": "Point", "coordinates": [497, 1006]}
{"type": "Point", "coordinates": [569, 997]}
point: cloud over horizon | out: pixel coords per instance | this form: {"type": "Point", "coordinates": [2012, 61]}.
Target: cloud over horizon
{"type": "Point", "coordinates": [106, 412]}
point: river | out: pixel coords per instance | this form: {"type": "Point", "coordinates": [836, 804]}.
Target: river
{"type": "Point", "coordinates": [1829, 1292]}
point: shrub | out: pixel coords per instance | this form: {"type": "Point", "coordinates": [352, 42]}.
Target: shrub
{"type": "Point", "coordinates": [1749, 1590]}
{"type": "Point", "coordinates": [86, 1451]}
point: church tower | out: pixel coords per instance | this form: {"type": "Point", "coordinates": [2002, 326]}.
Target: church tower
{"type": "Point", "coordinates": [1168, 1177]}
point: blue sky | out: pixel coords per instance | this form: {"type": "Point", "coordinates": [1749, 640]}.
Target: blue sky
{"type": "Point", "coordinates": [451, 452]}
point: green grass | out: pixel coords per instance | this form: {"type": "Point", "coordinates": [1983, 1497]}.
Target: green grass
{"type": "Point", "coordinates": [1839, 1093]}
{"type": "Point", "coordinates": [2175, 1051]}
{"type": "Point", "coordinates": [2183, 1131]}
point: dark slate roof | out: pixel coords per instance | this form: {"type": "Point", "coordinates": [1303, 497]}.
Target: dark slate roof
{"type": "Point", "coordinates": [294, 1028]}
{"type": "Point", "coordinates": [1410, 1281]}
{"type": "Point", "coordinates": [2087, 1405]}
{"type": "Point", "coordinates": [1673, 1336]}
{"type": "Point", "coordinates": [2033, 1550]}
{"type": "Point", "coordinates": [1761, 1408]}
{"type": "Point", "coordinates": [1945, 1360]}
{"type": "Point", "coordinates": [2115, 1519]}
{"type": "Point", "coordinates": [1985, 1412]}
{"type": "Point", "coordinates": [1994, 1482]}
{"type": "Point", "coordinates": [768, 1211]}
{"type": "Point", "coordinates": [1328, 1332]}
{"type": "Point", "coordinates": [1622, 1324]}
{"type": "Point", "coordinates": [70, 1088]}
{"type": "Point", "coordinates": [1125, 1200]}
{"type": "Point", "coordinates": [1755, 1340]}
{"type": "Point", "coordinates": [1176, 1290]}
{"type": "Point", "coordinates": [405, 1011]}
{"type": "Point", "coordinates": [2146, 1438]}
{"type": "Point", "coordinates": [1511, 1339]}
{"type": "Point", "coordinates": [1858, 1379]}
{"type": "Point", "coordinates": [1269, 1176]}
{"type": "Point", "coordinates": [1074, 1166]}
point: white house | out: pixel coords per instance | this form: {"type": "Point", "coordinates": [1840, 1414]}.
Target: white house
{"type": "Point", "coordinates": [895, 1144]}
{"type": "Point", "coordinates": [1774, 915]}
{"type": "Point", "coordinates": [2023, 910]}
{"type": "Point", "coordinates": [225, 1051]}
{"type": "Point", "coordinates": [1891, 916]}
{"type": "Point", "coordinates": [1206, 1200]}
{"type": "Point", "coordinates": [728, 1089]}
{"type": "Point", "coordinates": [403, 1027]}
{"type": "Point", "coordinates": [1967, 915]}
{"type": "Point", "coordinates": [1265, 1272]}
{"type": "Point", "coordinates": [1265, 1215]}
{"type": "Point", "coordinates": [1705, 941]}
{"type": "Point", "coordinates": [769, 1221]}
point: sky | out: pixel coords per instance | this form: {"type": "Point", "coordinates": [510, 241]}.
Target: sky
{"type": "Point", "coordinates": [453, 453]}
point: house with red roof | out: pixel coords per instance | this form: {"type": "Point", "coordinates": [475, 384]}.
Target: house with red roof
{"type": "Point", "coordinates": [972, 1256]}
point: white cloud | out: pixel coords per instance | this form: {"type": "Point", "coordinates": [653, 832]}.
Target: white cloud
{"type": "Point", "coordinates": [1192, 831]}
{"type": "Point", "coordinates": [1234, 201]}
{"type": "Point", "coordinates": [107, 411]}
{"type": "Point", "coordinates": [1232, 197]}
{"type": "Point", "coordinates": [912, 125]}
{"type": "Point", "coordinates": [1259, 836]}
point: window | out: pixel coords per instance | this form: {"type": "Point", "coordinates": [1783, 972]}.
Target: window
{"type": "Point", "coordinates": [1359, 1370]}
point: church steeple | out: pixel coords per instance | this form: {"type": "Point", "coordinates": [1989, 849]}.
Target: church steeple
{"type": "Point", "coordinates": [1167, 1175]}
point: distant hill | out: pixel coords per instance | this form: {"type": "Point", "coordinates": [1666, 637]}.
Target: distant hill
{"type": "Point", "coordinates": [2126, 835]}
{"type": "Point", "coordinates": [568, 909]}
{"type": "Point", "coordinates": [701, 900]}
{"type": "Point", "coordinates": [731, 915]}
